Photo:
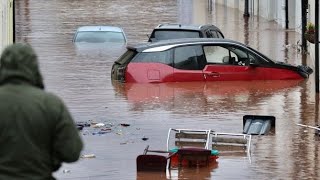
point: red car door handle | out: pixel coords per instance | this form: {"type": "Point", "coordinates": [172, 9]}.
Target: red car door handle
{"type": "Point", "coordinates": [213, 74]}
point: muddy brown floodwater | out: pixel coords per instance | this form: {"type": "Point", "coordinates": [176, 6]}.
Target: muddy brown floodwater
{"type": "Point", "coordinates": [81, 76]}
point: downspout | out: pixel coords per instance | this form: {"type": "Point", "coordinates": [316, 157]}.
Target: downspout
{"type": "Point", "coordinates": [317, 45]}
{"type": "Point", "coordinates": [14, 22]}
{"type": "Point", "coordinates": [287, 14]}
{"type": "Point", "coordinates": [246, 8]}
{"type": "Point", "coordinates": [252, 7]}
{"type": "Point", "coordinates": [258, 8]}
{"type": "Point", "coordinates": [304, 6]}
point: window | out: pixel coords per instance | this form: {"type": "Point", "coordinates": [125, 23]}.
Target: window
{"type": "Point", "coordinates": [174, 34]}
{"type": "Point", "coordinates": [188, 57]}
{"type": "Point", "coordinates": [209, 34]}
{"type": "Point", "coordinates": [163, 57]}
{"type": "Point", "coordinates": [219, 34]}
{"type": "Point", "coordinates": [259, 60]}
{"type": "Point", "coordinates": [254, 59]}
{"type": "Point", "coordinates": [214, 34]}
{"type": "Point", "coordinates": [224, 55]}
{"type": "Point", "coordinates": [216, 54]}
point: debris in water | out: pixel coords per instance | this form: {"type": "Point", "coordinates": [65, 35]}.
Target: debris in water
{"type": "Point", "coordinates": [79, 127]}
{"type": "Point", "coordinates": [88, 156]}
{"type": "Point", "coordinates": [99, 132]}
{"type": "Point", "coordinates": [125, 125]}
{"type": "Point", "coordinates": [316, 128]}
{"type": "Point", "coordinates": [106, 129]}
{"type": "Point", "coordinates": [66, 171]}
{"type": "Point", "coordinates": [98, 125]}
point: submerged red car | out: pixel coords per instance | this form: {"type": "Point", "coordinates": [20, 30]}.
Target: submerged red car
{"type": "Point", "coordinates": [200, 59]}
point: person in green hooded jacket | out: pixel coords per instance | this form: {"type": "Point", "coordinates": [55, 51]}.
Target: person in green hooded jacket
{"type": "Point", "coordinates": [37, 132]}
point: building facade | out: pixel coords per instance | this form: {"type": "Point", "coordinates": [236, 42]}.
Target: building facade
{"type": "Point", "coordinates": [275, 10]}
{"type": "Point", "coordinates": [6, 23]}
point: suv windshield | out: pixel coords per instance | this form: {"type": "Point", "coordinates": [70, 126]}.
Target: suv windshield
{"type": "Point", "coordinates": [174, 34]}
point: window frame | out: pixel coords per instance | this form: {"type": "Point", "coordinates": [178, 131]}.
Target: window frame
{"type": "Point", "coordinates": [199, 57]}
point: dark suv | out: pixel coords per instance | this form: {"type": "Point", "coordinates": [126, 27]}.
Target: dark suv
{"type": "Point", "coordinates": [177, 31]}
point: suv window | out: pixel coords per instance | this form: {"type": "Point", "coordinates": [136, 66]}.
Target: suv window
{"type": "Point", "coordinates": [215, 34]}
{"type": "Point", "coordinates": [209, 34]}
{"type": "Point", "coordinates": [154, 57]}
{"type": "Point", "coordinates": [219, 34]}
{"type": "Point", "coordinates": [188, 57]}
{"type": "Point", "coordinates": [174, 34]}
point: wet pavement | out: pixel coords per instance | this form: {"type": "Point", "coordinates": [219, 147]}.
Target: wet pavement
{"type": "Point", "coordinates": [81, 76]}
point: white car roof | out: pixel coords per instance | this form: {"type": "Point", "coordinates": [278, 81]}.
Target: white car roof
{"type": "Point", "coordinates": [100, 28]}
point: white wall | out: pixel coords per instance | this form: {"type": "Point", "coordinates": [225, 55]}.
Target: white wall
{"type": "Point", "coordinates": [298, 15]}
{"type": "Point", "coordinates": [311, 18]}
{"type": "Point", "coordinates": [292, 14]}
{"type": "Point", "coordinates": [6, 23]}
{"type": "Point", "coordinates": [240, 4]}
{"type": "Point", "coordinates": [280, 16]}
{"type": "Point", "coordinates": [264, 9]}
{"type": "Point", "coordinates": [294, 7]}
{"type": "Point", "coordinates": [1, 25]}
{"type": "Point", "coordinates": [274, 10]}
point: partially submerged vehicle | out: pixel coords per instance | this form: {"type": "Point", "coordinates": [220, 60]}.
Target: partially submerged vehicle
{"type": "Point", "coordinates": [99, 34]}
{"type": "Point", "coordinates": [200, 59]}
{"type": "Point", "coordinates": [177, 31]}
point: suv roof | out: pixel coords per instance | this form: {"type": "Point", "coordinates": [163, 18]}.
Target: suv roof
{"type": "Point", "coordinates": [186, 26]}
{"type": "Point", "coordinates": [177, 31]}
{"type": "Point", "coordinates": [165, 44]}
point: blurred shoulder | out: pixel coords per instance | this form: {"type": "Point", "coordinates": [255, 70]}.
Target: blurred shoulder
{"type": "Point", "coordinates": [53, 99]}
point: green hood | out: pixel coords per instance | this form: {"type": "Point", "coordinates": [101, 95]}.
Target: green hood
{"type": "Point", "coordinates": [19, 63]}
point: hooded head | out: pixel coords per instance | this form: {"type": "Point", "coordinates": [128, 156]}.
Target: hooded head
{"type": "Point", "coordinates": [18, 63]}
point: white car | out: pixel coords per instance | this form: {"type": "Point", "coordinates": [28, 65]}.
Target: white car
{"type": "Point", "coordinates": [99, 34]}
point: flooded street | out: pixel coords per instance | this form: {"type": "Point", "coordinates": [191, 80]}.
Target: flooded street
{"type": "Point", "coordinates": [81, 76]}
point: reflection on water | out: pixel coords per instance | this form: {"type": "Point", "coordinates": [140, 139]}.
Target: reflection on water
{"type": "Point", "coordinates": [99, 49]}
{"type": "Point", "coordinates": [80, 74]}
{"type": "Point", "coordinates": [203, 172]}
{"type": "Point", "coordinates": [201, 96]}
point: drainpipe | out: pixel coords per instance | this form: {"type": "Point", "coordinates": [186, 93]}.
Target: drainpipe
{"type": "Point", "coordinates": [317, 45]}
{"type": "Point", "coordinates": [287, 14]}
{"type": "Point", "coordinates": [14, 22]}
{"type": "Point", "coordinates": [304, 7]}
{"type": "Point", "coordinates": [246, 8]}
